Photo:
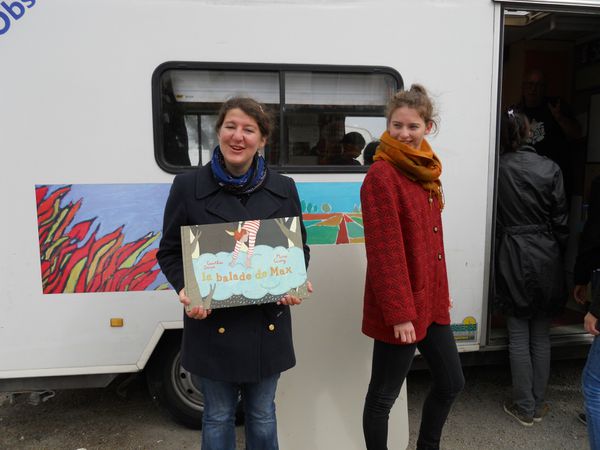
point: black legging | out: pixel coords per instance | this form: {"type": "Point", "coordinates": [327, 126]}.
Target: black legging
{"type": "Point", "coordinates": [390, 366]}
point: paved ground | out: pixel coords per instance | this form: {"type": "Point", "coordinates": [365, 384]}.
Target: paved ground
{"type": "Point", "coordinates": [102, 419]}
{"type": "Point", "coordinates": [478, 421]}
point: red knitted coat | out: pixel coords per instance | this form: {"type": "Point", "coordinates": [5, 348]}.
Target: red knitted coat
{"type": "Point", "coordinates": [406, 267]}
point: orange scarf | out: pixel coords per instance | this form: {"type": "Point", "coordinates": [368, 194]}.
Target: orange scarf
{"type": "Point", "coordinates": [422, 165]}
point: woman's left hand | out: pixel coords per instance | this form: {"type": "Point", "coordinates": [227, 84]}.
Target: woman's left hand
{"type": "Point", "coordinates": [450, 303]}
{"type": "Point", "coordinates": [288, 299]}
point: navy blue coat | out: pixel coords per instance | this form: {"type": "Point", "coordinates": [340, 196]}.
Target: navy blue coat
{"type": "Point", "coordinates": [235, 344]}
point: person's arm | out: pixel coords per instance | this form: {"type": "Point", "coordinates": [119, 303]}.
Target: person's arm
{"type": "Point", "coordinates": [559, 211]}
{"type": "Point", "coordinates": [590, 321]}
{"type": "Point", "coordinates": [169, 253]}
{"type": "Point", "coordinates": [568, 124]}
{"type": "Point", "coordinates": [384, 243]}
{"type": "Point", "coordinates": [590, 324]}
{"type": "Point", "coordinates": [580, 293]}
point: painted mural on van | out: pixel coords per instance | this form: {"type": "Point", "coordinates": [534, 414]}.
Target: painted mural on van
{"type": "Point", "coordinates": [104, 237]}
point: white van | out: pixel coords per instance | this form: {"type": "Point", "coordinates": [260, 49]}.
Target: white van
{"type": "Point", "coordinates": [103, 101]}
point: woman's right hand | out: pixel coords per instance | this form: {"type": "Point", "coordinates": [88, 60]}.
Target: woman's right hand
{"type": "Point", "coordinates": [197, 312]}
{"type": "Point", "coordinates": [405, 331]}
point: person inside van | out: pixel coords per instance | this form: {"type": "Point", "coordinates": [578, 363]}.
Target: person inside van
{"type": "Point", "coordinates": [529, 272]}
{"type": "Point", "coordinates": [239, 350]}
{"type": "Point", "coordinates": [331, 131]}
{"type": "Point", "coordinates": [369, 152]}
{"type": "Point", "coordinates": [175, 135]}
{"type": "Point", "coordinates": [406, 299]}
{"type": "Point", "coordinates": [352, 145]}
{"type": "Point", "coordinates": [552, 123]}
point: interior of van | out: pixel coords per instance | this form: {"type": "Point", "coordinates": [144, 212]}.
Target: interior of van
{"type": "Point", "coordinates": [555, 55]}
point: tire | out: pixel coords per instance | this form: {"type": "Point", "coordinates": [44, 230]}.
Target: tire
{"type": "Point", "coordinates": [172, 387]}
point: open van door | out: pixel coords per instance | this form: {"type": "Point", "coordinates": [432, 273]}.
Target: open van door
{"type": "Point", "coordinates": [551, 55]}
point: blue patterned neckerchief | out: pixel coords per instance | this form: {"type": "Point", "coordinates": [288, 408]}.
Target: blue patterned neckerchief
{"type": "Point", "coordinates": [245, 184]}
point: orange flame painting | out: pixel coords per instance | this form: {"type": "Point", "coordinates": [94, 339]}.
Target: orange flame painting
{"type": "Point", "coordinates": [74, 256]}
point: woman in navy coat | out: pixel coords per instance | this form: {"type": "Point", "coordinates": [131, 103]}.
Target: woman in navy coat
{"type": "Point", "coordinates": [239, 350]}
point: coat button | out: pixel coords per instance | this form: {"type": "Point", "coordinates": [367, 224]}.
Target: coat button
{"type": "Point", "coordinates": [430, 199]}
{"type": "Point", "coordinates": [435, 229]}
{"type": "Point", "coordinates": [271, 327]}
{"type": "Point", "coordinates": [439, 256]}
{"type": "Point", "coordinates": [221, 330]}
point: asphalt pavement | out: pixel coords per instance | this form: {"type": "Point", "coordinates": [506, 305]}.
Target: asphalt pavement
{"type": "Point", "coordinates": [112, 419]}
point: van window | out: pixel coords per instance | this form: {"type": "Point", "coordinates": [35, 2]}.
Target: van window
{"type": "Point", "coordinates": [325, 117]}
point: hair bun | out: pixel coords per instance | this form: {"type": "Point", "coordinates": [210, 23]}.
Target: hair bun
{"type": "Point", "coordinates": [418, 88]}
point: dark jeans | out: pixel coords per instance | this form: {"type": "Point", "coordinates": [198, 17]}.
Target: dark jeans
{"type": "Point", "coordinates": [390, 367]}
{"type": "Point", "coordinates": [529, 351]}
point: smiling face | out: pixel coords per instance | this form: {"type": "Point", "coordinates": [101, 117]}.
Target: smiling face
{"type": "Point", "coordinates": [407, 126]}
{"type": "Point", "coordinates": [239, 139]}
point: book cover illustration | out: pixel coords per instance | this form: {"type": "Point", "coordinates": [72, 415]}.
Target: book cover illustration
{"type": "Point", "coordinates": [243, 263]}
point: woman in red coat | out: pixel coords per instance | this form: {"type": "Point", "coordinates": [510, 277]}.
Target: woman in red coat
{"type": "Point", "coordinates": [406, 302]}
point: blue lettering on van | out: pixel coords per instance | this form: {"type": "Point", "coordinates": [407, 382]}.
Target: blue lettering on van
{"type": "Point", "coordinates": [12, 10]}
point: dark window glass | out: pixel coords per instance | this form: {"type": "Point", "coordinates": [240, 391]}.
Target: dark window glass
{"type": "Point", "coordinates": [323, 119]}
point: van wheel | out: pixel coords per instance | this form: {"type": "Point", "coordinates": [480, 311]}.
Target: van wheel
{"type": "Point", "coordinates": [172, 386]}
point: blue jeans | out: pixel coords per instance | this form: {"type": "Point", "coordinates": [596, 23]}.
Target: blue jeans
{"type": "Point", "coordinates": [591, 380]}
{"type": "Point", "coordinates": [591, 393]}
{"type": "Point", "coordinates": [220, 402]}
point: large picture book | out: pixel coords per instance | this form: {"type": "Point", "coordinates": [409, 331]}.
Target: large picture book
{"type": "Point", "coordinates": [243, 263]}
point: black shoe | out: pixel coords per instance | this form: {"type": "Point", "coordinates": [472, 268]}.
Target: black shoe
{"type": "Point", "coordinates": [581, 417]}
{"type": "Point", "coordinates": [514, 411]}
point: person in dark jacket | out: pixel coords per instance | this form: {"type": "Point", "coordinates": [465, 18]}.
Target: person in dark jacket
{"type": "Point", "coordinates": [238, 350]}
{"type": "Point", "coordinates": [529, 272]}
{"type": "Point", "coordinates": [552, 122]}
{"type": "Point", "coordinates": [588, 262]}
